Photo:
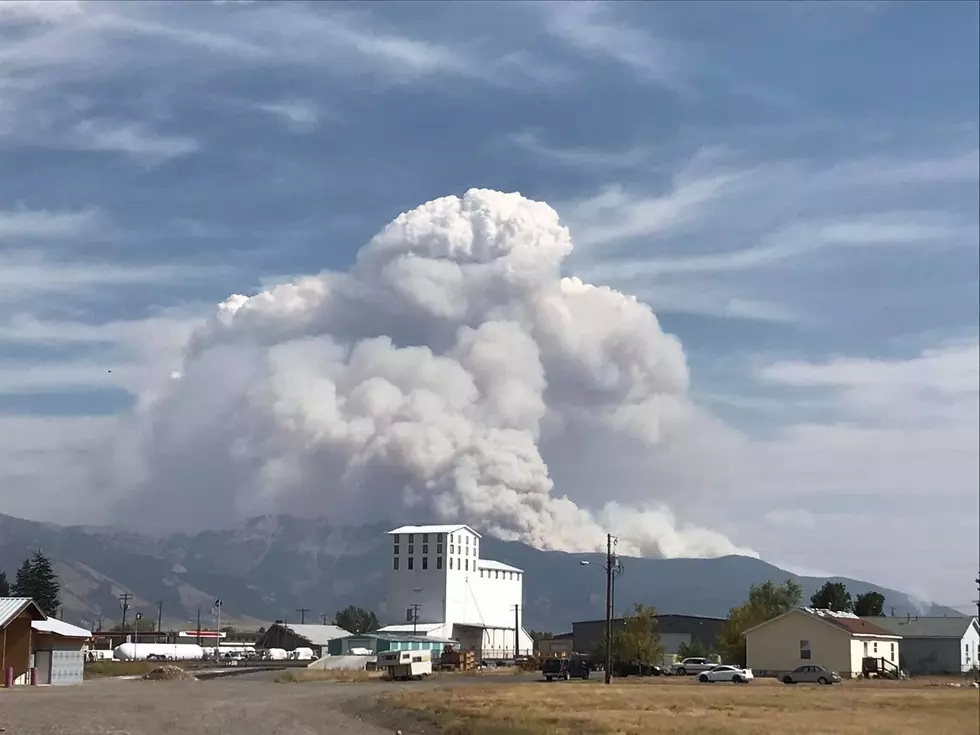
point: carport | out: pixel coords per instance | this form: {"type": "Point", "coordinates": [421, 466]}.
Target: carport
{"type": "Point", "coordinates": [16, 616]}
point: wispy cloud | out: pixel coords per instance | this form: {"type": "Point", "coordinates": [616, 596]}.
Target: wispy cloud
{"type": "Point", "coordinates": [39, 223]}
{"type": "Point", "coordinates": [301, 116]}
{"type": "Point", "coordinates": [592, 28]}
{"type": "Point", "coordinates": [133, 139]}
{"type": "Point", "coordinates": [588, 158]}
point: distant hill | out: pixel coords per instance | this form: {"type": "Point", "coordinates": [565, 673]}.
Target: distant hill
{"type": "Point", "coordinates": [269, 567]}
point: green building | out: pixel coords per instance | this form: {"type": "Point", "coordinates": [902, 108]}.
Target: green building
{"type": "Point", "coordinates": [379, 642]}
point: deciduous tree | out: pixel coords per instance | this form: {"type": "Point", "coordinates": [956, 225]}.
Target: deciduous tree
{"type": "Point", "coordinates": [766, 601]}
{"type": "Point", "coordinates": [869, 604]}
{"type": "Point", "coordinates": [832, 596]}
{"type": "Point", "coordinates": [638, 641]}
{"type": "Point", "coordinates": [356, 620]}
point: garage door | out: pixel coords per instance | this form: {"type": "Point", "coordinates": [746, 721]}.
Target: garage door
{"type": "Point", "coordinates": [67, 667]}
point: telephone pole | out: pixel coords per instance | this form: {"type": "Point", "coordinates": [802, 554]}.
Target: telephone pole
{"type": "Point", "coordinates": [124, 599]}
{"type": "Point", "coordinates": [323, 618]}
{"type": "Point", "coordinates": [609, 613]}
{"type": "Point", "coordinates": [414, 612]}
{"type": "Point", "coordinates": [302, 614]}
{"type": "Point", "coordinates": [977, 580]}
{"type": "Point", "coordinates": [159, 619]}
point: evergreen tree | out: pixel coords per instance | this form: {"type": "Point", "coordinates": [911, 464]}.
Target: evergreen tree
{"type": "Point", "coordinates": [36, 579]}
{"type": "Point", "coordinates": [46, 588]}
{"type": "Point", "coordinates": [869, 604]}
{"type": "Point", "coordinates": [356, 620]}
{"type": "Point", "coordinates": [22, 582]}
{"type": "Point", "coordinates": [4, 584]}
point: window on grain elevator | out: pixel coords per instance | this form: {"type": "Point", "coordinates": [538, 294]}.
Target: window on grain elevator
{"type": "Point", "coordinates": [396, 564]}
{"type": "Point", "coordinates": [411, 562]}
{"type": "Point", "coordinates": [425, 562]}
{"type": "Point", "coordinates": [438, 562]}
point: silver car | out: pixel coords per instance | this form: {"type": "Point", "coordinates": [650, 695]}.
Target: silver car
{"type": "Point", "coordinates": [811, 675]}
{"type": "Point", "coordinates": [694, 666]}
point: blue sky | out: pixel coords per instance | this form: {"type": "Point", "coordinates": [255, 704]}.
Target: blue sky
{"type": "Point", "coordinates": [793, 187]}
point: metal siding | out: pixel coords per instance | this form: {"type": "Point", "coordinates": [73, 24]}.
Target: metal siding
{"type": "Point", "coordinates": [67, 667]}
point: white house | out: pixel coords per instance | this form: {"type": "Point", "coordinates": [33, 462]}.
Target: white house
{"type": "Point", "coordinates": [440, 587]}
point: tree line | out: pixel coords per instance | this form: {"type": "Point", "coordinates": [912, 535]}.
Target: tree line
{"type": "Point", "coordinates": [35, 579]}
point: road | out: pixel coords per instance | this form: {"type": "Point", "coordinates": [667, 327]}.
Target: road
{"type": "Point", "coordinates": [242, 705]}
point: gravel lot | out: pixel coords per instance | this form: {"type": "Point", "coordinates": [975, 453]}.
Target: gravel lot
{"type": "Point", "coordinates": [249, 705]}
{"type": "Point", "coordinates": [252, 704]}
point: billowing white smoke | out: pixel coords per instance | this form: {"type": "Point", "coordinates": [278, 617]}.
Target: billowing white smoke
{"type": "Point", "coordinates": [423, 384]}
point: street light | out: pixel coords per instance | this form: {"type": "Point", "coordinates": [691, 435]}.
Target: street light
{"type": "Point", "coordinates": [613, 569]}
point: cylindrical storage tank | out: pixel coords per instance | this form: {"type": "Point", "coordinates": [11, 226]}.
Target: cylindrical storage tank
{"type": "Point", "coordinates": [170, 651]}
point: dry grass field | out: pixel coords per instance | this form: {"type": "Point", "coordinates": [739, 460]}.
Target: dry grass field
{"type": "Point", "coordinates": [675, 707]}
{"type": "Point", "coordinates": [101, 669]}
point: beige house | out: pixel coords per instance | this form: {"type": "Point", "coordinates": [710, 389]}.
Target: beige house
{"type": "Point", "coordinates": [838, 641]}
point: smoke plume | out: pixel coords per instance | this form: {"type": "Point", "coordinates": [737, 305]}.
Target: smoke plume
{"type": "Point", "coordinates": [449, 375]}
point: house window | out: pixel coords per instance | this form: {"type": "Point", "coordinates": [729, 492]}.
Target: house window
{"type": "Point", "coordinates": [805, 650]}
{"type": "Point", "coordinates": [425, 548]}
{"type": "Point", "coordinates": [438, 562]}
{"type": "Point", "coordinates": [396, 549]}
{"type": "Point", "coordinates": [865, 649]}
{"type": "Point", "coordinates": [396, 563]}
{"type": "Point", "coordinates": [425, 562]}
{"type": "Point", "coordinates": [411, 562]}
{"type": "Point", "coordinates": [875, 644]}
{"type": "Point", "coordinates": [892, 656]}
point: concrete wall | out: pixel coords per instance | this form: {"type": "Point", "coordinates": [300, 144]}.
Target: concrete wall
{"type": "Point", "coordinates": [417, 586]}
{"type": "Point", "coordinates": [16, 646]}
{"type": "Point", "coordinates": [777, 646]}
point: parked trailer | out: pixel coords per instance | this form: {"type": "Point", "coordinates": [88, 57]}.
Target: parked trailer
{"type": "Point", "coordinates": [158, 651]}
{"type": "Point", "coordinates": [301, 654]}
{"type": "Point", "coordinates": [404, 665]}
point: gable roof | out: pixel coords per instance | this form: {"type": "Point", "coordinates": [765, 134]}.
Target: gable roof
{"type": "Point", "coordinates": [59, 627]}
{"type": "Point", "coordinates": [12, 607]}
{"type": "Point", "coordinates": [926, 627]}
{"type": "Point", "coordinates": [848, 622]}
{"type": "Point", "coordinates": [433, 529]}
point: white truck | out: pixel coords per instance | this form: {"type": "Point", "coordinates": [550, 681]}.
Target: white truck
{"type": "Point", "coordinates": [405, 665]}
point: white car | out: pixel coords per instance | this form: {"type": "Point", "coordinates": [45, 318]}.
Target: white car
{"type": "Point", "coordinates": [726, 673]}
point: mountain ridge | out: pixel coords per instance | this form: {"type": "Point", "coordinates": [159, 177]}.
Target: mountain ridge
{"type": "Point", "coordinates": [268, 567]}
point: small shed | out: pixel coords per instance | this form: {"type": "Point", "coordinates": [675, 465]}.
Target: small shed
{"type": "Point", "coordinates": [290, 637]}
{"type": "Point", "coordinates": [838, 641]}
{"type": "Point", "coordinates": [934, 645]}
{"type": "Point", "coordinates": [16, 645]}
{"type": "Point", "coordinates": [378, 642]}
{"type": "Point", "coordinates": [58, 651]}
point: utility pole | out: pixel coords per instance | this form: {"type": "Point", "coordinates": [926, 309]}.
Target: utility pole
{"type": "Point", "coordinates": [198, 626]}
{"type": "Point", "coordinates": [323, 618]}
{"type": "Point", "coordinates": [609, 578]}
{"type": "Point", "coordinates": [217, 628]}
{"type": "Point", "coordinates": [124, 599]}
{"type": "Point", "coordinates": [159, 619]}
{"type": "Point", "coordinates": [414, 613]}
{"type": "Point", "coordinates": [302, 614]}
{"type": "Point", "coordinates": [977, 580]}
{"type": "Point", "coordinates": [517, 630]}
{"type": "Point", "coordinates": [136, 628]}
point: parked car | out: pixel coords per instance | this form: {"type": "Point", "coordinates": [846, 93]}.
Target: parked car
{"type": "Point", "coordinates": [565, 668]}
{"type": "Point", "coordinates": [726, 673]}
{"type": "Point", "coordinates": [628, 668]}
{"type": "Point", "coordinates": [811, 675]}
{"type": "Point", "coordinates": [694, 666]}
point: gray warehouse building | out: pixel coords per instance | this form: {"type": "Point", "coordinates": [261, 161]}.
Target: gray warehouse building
{"type": "Point", "coordinates": [674, 630]}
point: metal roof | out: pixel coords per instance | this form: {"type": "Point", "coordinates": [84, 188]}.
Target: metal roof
{"type": "Point", "coordinates": [59, 627]}
{"type": "Point", "coordinates": [406, 627]}
{"type": "Point", "coordinates": [11, 607]}
{"type": "Point", "coordinates": [433, 529]}
{"type": "Point", "coordinates": [401, 638]}
{"type": "Point", "coordinates": [925, 627]}
{"type": "Point", "coordinates": [318, 635]}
